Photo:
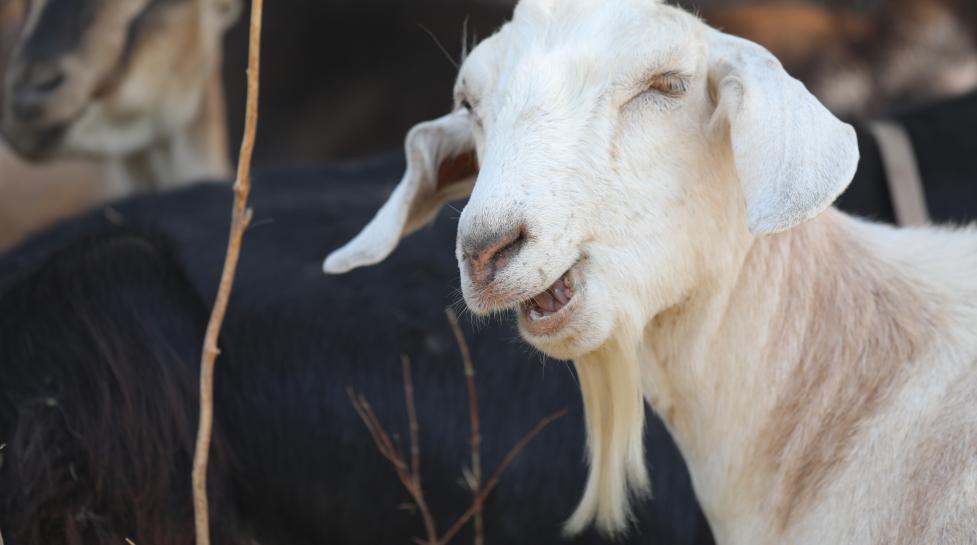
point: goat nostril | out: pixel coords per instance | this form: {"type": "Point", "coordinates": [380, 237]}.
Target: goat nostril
{"type": "Point", "coordinates": [493, 252]}
{"type": "Point", "coordinates": [511, 247]}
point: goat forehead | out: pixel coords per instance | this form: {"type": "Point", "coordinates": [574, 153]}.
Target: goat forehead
{"type": "Point", "coordinates": [600, 23]}
{"type": "Point", "coordinates": [575, 53]}
{"type": "Point", "coordinates": [550, 11]}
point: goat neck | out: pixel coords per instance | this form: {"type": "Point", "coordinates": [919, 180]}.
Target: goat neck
{"type": "Point", "coordinates": [767, 377]}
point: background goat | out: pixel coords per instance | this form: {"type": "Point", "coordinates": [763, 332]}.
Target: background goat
{"type": "Point", "coordinates": [106, 97]}
{"type": "Point", "coordinates": [134, 83]}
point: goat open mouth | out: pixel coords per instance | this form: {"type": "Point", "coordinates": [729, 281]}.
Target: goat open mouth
{"type": "Point", "coordinates": [546, 312]}
{"type": "Point", "coordinates": [551, 300]}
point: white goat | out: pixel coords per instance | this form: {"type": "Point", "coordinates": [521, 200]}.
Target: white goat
{"type": "Point", "coordinates": [641, 204]}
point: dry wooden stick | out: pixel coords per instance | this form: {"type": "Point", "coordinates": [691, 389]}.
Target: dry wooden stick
{"type": "Point", "coordinates": [240, 217]}
{"type": "Point", "coordinates": [476, 441]}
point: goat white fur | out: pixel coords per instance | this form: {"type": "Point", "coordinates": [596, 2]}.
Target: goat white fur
{"type": "Point", "coordinates": [820, 377]}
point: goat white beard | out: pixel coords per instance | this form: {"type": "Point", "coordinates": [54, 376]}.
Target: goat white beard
{"type": "Point", "coordinates": [610, 382]}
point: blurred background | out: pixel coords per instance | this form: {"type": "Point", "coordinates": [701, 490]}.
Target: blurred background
{"type": "Point", "coordinates": [345, 79]}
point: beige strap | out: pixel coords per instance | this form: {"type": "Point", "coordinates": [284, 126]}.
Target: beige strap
{"type": "Point", "coordinates": [902, 173]}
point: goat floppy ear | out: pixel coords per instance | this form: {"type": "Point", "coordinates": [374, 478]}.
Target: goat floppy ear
{"type": "Point", "coordinates": [441, 167]}
{"type": "Point", "coordinates": [793, 157]}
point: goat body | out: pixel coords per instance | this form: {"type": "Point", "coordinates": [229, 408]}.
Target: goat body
{"type": "Point", "coordinates": [840, 357]}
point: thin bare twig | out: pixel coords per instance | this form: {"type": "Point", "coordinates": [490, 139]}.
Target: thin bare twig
{"type": "Point", "coordinates": [493, 481]}
{"type": "Point", "coordinates": [415, 448]}
{"type": "Point", "coordinates": [380, 437]}
{"type": "Point", "coordinates": [240, 217]}
{"type": "Point", "coordinates": [476, 440]}
{"type": "Point", "coordinates": [410, 477]}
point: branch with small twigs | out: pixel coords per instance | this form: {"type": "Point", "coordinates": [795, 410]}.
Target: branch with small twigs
{"type": "Point", "coordinates": [240, 217]}
{"type": "Point", "coordinates": [410, 475]}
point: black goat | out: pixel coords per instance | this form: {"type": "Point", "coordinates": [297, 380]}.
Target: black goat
{"type": "Point", "coordinates": [941, 134]}
{"type": "Point", "coordinates": [99, 350]}
{"type": "Point", "coordinates": [98, 405]}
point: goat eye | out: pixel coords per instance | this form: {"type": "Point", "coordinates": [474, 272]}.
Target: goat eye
{"type": "Point", "coordinates": [466, 105]}
{"type": "Point", "coordinates": [668, 84]}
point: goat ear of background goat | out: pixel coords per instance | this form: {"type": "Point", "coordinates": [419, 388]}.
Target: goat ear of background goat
{"type": "Point", "coordinates": [441, 167]}
{"type": "Point", "coordinates": [792, 155]}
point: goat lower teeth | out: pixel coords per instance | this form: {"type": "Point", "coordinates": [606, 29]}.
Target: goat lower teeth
{"type": "Point", "coordinates": [535, 315]}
